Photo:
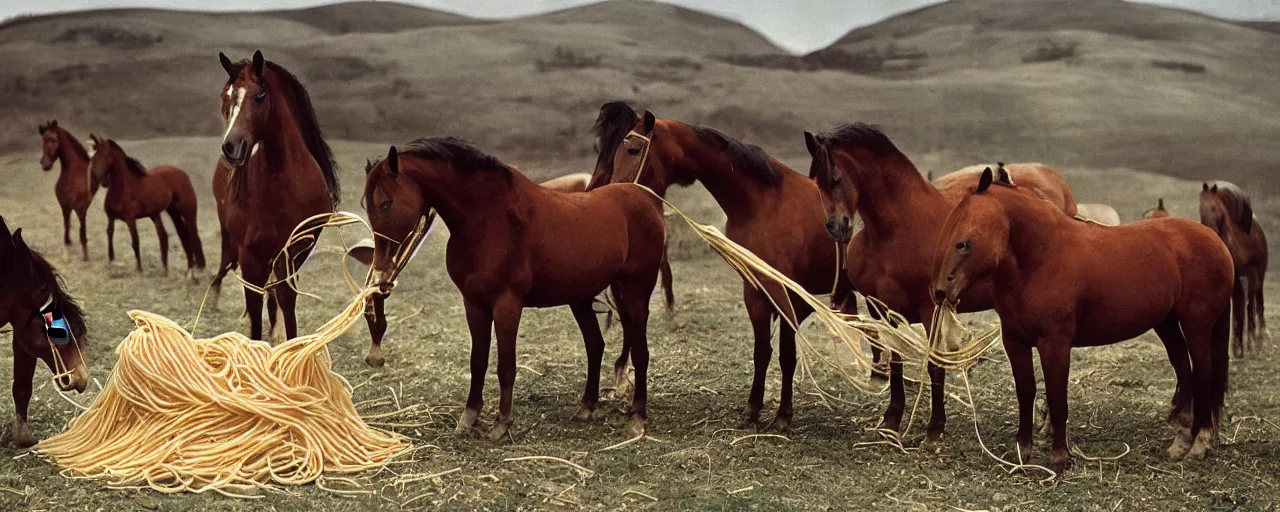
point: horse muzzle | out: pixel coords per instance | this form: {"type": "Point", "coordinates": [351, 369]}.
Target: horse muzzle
{"type": "Point", "coordinates": [236, 152]}
{"type": "Point", "coordinates": [45, 164]}
{"type": "Point", "coordinates": [78, 381]}
{"type": "Point", "coordinates": [840, 230]}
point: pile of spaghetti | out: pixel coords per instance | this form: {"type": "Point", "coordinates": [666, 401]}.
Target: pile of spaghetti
{"type": "Point", "coordinates": [226, 414]}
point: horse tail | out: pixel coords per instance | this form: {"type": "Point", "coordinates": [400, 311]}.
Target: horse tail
{"type": "Point", "coordinates": [1219, 354]}
{"type": "Point", "coordinates": [664, 268]}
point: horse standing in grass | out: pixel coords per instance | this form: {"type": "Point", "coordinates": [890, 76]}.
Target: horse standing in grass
{"type": "Point", "coordinates": [507, 251]}
{"type": "Point", "coordinates": [135, 193]}
{"type": "Point", "coordinates": [362, 251]}
{"type": "Point", "coordinates": [1057, 284]}
{"type": "Point", "coordinates": [859, 170]}
{"type": "Point", "coordinates": [76, 187]}
{"type": "Point", "coordinates": [1157, 212]}
{"type": "Point", "coordinates": [30, 287]}
{"type": "Point", "coordinates": [276, 171]}
{"type": "Point", "coordinates": [1226, 209]}
{"type": "Point", "coordinates": [772, 211]}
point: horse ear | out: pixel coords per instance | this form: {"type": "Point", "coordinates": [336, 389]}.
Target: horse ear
{"type": "Point", "coordinates": [928, 175]}
{"type": "Point", "coordinates": [53, 124]}
{"type": "Point", "coordinates": [811, 143]}
{"type": "Point", "coordinates": [984, 182]}
{"type": "Point", "coordinates": [258, 62]}
{"type": "Point", "coordinates": [4, 235]}
{"type": "Point", "coordinates": [368, 166]}
{"type": "Point", "coordinates": [1160, 204]}
{"type": "Point", "coordinates": [1003, 176]}
{"type": "Point", "coordinates": [1214, 188]}
{"type": "Point", "coordinates": [227, 65]}
{"type": "Point", "coordinates": [1204, 187]}
{"type": "Point", "coordinates": [649, 121]}
{"type": "Point", "coordinates": [393, 162]}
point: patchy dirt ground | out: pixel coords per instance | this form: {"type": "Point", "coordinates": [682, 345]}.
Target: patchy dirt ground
{"type": "Point", "coordinates": [701, 367]}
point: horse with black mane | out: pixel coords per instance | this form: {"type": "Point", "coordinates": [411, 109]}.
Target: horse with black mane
{"type": "Point", "coordinates": [507, 251]}
{"type": "Point", "coordinates": [276, 170]}
{"type": "Point", "coordinates": [47, 324]}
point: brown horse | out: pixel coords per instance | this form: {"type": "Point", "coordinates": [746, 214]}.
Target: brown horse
{"type": "Point", "coordinates": [1226, 209]}
{"type": "Point", "coordinates": [772, 211]}
{"type": "Point", "coordinates": [30, 287]}
{"type": "Point", "coordinates": [1157, 212]}
{"type": "Point", "coordinates": [859, 170]}
{"type": "Point", "coordinates": [75, 188]}
{"type": "Point", "coordinates": [507, 251]}
{"type": "Point", "coordinates": [135, 193]}
{"type": "Point", "coordinates": [276, 171]}
{"type": "Point", "coordinates": [363, 250]}
{"type": "Point", "coordinates": [1057, 285]}
{"type": "Point", "coordinates": [1042, 180]}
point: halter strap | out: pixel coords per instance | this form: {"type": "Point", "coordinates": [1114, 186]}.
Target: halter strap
{"type": "Point", "coordinates": [644, 157]}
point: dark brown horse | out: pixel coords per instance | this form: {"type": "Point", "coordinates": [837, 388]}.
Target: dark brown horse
{"type": "Point", "coordinates": [508, 251]}
{"type": "Point", "coordinates": [772, 211]}
{"type": "Point", "coordinates": [859, 170]}
{"type": "Point", "coordinates": [75, 188]}
{"type": "Point", "coordinates": [276, 171]}
{"type": "Point", "coordinates": [1157, 212]}
{"type": "Point", "coordinates": [1226, 209]}
{"type": "Point", "coordinates": [1057, 285]}
{"type": "Point", "coordinates": [29, 286]}
{"type": "Point", "coordinates": [135, 193]}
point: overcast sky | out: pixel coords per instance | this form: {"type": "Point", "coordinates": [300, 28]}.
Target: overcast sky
{"type": "Point", "coordinates": [798, 25]}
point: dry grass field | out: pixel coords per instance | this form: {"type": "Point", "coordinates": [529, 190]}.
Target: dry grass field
{"type": "Point", "coordinates": [1122, 131]}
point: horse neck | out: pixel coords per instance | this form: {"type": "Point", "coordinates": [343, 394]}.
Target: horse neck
{"type": "Point", "coordinates": [122, 179]}
{"type": "Point", "coordinates": [892, 194]}
{"type": "Point", "coordinates": [72, 155]}
{"type": "Point", "coordinates": [1032, 234]}
{"type": "Point", "coordinates": [462, 198]}
{"type": "Point", "coordinates": [738, 194]}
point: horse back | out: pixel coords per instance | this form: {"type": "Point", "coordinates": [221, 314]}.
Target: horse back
{"type": "Point", "coordinates": [1037, 179]}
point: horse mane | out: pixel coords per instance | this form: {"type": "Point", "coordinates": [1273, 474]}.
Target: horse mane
{"type": "Point", "coordinates": [1239, 207]}
{"type": "Point", "coordinates": [305, 115]}
{"type": "Point", "coordinates": [70, 308]}
{"type": "Point", "coordinates": [130, 162]}
{"type": "Point", "coordinates": [616, 119]}
{"type": "Point", "coordinates": [863, 135]}
{"type": "Point", "coordinates": [747, 158]}
{"type": "Point", "coordinates": [73, 142]}
{"type": "Point", "coordinates": [460, 153]}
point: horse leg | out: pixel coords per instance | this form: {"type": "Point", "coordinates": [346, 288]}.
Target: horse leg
{"type": "Point", "coordinates": [1253, 295]}
{"type": "Point", "coordinates": [594, 342]}
{"type": "Point", "coordinates": [1055, 364]}
{"type": "Point", "coordinates": [1238, 307]}
{"type": "Point", "coordinates": [132, 224]}
{"type": "Point", "coordinates": [1258, 309]}
{"type": "Point", "coordinates": [787, 361]}
{"type": "Point", "coordinates": [480, 323]}
{"type": "Point", "coordinates": [879, 370]}
{"type": "Point", "coordinates": [1180, 414]}
{"type": "Point", "coordinates": [66, 233]}
{"type": "Point", "coordinates": [111, 239]}
{"type": "Point", "coordinates": [164, 243]}
{"type": "Point", "coordinates": [761, 313]}
{"type": "Point", "coordinates": [506, 324]}
{"type": "Point", "coordinates": [635, 301]}
{"type": "Point", "coordinates": [84, 237]}
{"type": "Point", "coordinates": [622, 384]}
{"type": "Point", "coordinates": [376, 317]}
{"type": "Point", "coordinates": [1024, 380]}
{"type": "Point", "coordinates": [1202, 365]}
{"type": "Point", "coordinates": [255, 272]}
{"type": "Point", "coordinates": [274, 325]}
{"type": "Point", "coordinates": [24, 369]}
{"type": "Point", "coordinates": [227, 264]}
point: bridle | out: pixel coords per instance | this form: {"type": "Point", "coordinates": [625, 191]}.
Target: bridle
{"type": "Point", "coordinates": [644, 156]}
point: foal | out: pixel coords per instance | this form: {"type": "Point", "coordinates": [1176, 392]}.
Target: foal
{"type": "Point", "coordinates": [75, 188]}
{"type": "Point", "coordinates": [1057, 285]}
{"type": "Point", "coordinates": [134, 193]}
{"type": "Point", "coordinates": [30, 288]}
{"type": "Point", "coordinates": [507, 250]}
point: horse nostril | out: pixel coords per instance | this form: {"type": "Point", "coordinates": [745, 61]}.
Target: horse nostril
{"type": "Point", "coordinates": [939, 295]}
{"type": "Point", "coordinates": [848, 223]}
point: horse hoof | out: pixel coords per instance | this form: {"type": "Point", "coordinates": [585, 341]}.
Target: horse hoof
{"type": "Point", "coordinates": [750, 418]}
{"type": "Point", "coordinates": [375, 360]}
{"type": "Point", "coordinates": [635, 426]}
{"type": "Point", "coordinates": [780, 425]}
{"type": "Point", "coordinates": [467, 421]}
{"type": "Point", "coordinates": [1024, 453]}
{"type": "Point", "coordinates": [934, 434]}
{"type": "Point", "coordinates": [1178, 450]}
{"type": "Point", "coordinates": [585, 414]}
{"type": "Point", "coordinates": [1203, 443]}
{"type": "Point", "coordinates": [21, 435]}
{"type": "Point", "coordinates": [1059, 461]}
{"type": "Point", "coordinates": [498, 432]}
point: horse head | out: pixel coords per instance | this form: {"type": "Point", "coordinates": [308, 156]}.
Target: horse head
{"type": "Point", "coordinates": [50, 144]}
{"type": "Point", "coordinates": [247, 100]}
{"type": "Point", "coordinates": [839, 196]}
{"type": "Point", "coordinates": [974, 238]}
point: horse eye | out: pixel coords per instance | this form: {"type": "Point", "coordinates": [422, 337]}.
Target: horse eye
{"type": "Point", "coordinates": [633, 151]}
{"type": "Point", "coordinates": [385, 205]}
{"type": "Point", "coordinates": [962, 245]}
{"type": "Point", "coordinates": [262, 95]}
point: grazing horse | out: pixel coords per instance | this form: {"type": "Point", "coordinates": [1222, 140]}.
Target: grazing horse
{"type": "Point", "coordinates": [1157, 212]}
{"type": "Point", "coordinates": [1226, 209]}
{"type": "Point", "coordinates": [135, 193]}
{"type": "Point", "coordinates": [363, 250]}
{"type": "Point", "coordinates": [1101, 213]}
{"type": "Point", "coordinates": [31, 298]}
{"type": "Point", "coordinates": [1057, 284]}
{"type": "Point", "coordinates": [772, 211]}
{"type": "Point", "coordinates": [276, 171]}
{"type": "Point", "coordinates": [507, 251]}
{"type": "Point", "coordinates": [75, 188]}
{"type": "Point", "coordinates": [859, 170]}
